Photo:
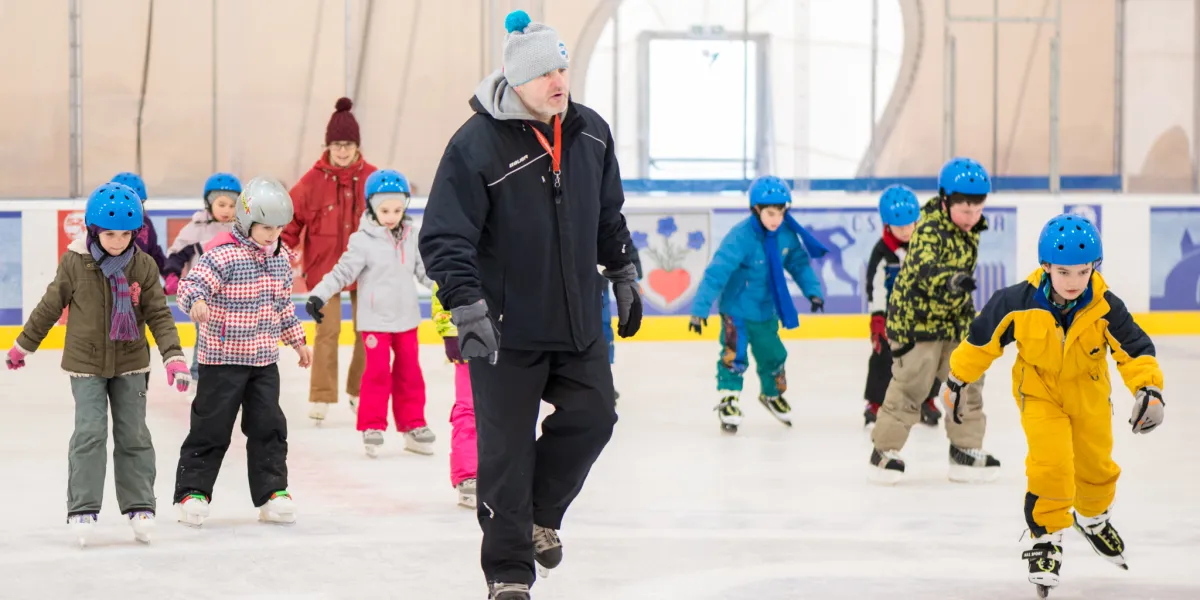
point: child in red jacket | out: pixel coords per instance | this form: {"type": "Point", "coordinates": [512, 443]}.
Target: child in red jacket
{"type": "Point", "coordinates": [240, 295]}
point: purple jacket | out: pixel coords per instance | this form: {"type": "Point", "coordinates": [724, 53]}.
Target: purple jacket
{"type": "Point", "coordinates": [147, 241]}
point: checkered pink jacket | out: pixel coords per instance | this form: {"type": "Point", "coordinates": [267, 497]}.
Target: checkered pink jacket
{"type": "Point", "coordinates": [249, 295]}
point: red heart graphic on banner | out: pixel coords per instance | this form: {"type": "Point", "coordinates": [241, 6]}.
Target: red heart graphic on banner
{"type": "Point", "coordinates": [670, 284]}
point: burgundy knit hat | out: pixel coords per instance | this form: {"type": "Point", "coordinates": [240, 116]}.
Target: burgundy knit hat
{"type": "Point", "coordinates": [342, 127]}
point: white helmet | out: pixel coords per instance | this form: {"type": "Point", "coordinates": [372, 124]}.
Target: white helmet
{"type": "Point", "coordinates": [263, 200]}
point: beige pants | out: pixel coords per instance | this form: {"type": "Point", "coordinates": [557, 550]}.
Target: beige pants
{"type": "Point", "coordinates": [323, 384]}
{"type": "Point", "coordinates": [912, 377]}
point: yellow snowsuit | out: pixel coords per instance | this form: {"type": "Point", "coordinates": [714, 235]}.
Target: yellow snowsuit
{"type": "Point", "coordinates": [1061, 383]}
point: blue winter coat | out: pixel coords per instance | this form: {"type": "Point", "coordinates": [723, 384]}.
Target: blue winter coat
{"type": "Point", "coordinates": [739, 274]}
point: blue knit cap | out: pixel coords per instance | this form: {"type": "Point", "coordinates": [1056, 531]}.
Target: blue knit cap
{"type": "Point", "coordinates": [531, 49]}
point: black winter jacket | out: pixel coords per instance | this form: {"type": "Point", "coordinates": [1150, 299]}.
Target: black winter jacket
{"type": "Point", "coordinates": [495, 228]}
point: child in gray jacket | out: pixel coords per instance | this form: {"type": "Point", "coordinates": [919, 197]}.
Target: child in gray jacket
{"type": "Point", "coordinates": [382, 257]}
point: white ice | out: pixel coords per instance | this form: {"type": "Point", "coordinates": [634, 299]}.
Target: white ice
{"type": "Point", "coordinates": [673, 509]}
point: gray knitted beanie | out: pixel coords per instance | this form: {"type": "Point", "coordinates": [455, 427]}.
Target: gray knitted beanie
{"type": "Point", "coordinates": [531, 49]}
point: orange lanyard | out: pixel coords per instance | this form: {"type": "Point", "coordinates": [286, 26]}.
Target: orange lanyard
{"type": "Point", "coordinates": [554, 151]}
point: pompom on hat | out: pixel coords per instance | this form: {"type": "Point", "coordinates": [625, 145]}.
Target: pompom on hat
{"type": "Point", "coordinates": [531, 49]}
{"type": "Point", "coordinates": [342, 127]}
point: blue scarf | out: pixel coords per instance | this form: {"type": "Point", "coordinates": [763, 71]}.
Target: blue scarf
{"type": "Point", "coordinates": [779, 287]}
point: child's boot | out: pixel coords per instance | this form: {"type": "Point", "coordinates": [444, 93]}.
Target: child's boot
{"type": "Point", "coordinates": [778, 407]}
{"type": "Point", "coordinates": [142, 522]}
{"type": "Point", "coordinates": [82, 525]}
{"type": "Point", "coordinates": [193, 509]}
{"type": "Point", "coordinates": [419, 440]}
{"type": "Point", "coordinates": [730, 412]}
{"type": "Point", "coordinates": [279, 509]}
{"type": "Point", "coordinates": [1045, 559]}
{"type": "Point", "coordinates": [372, 442]}
{"type": "Point", "coordinates": [466, 493]}
{"type": "Point", "coordinates": [1103, 537]}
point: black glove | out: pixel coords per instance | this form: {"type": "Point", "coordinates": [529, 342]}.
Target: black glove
{"type": "Point", "coordinates": [955, 386]}
{"type": "Point", "coordinates": [961, 282]}
{"type": "Point", "coordinates": [697, 324]}
{"type": "Point", "coordinates": [478, 336]}
{"type": "Point", "coordinates": [313, 308]}
{"type": "Point", "coordinates": [629, 302]}
{"type": "Point", "coordinates": [818, 305]}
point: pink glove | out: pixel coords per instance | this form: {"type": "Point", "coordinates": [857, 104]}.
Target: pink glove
{"type": "Point", "coordinates": [171, 285]}
{"type": "Point", "coordinates": [15, 358]}
{"type": "Point", "coordinates": [178, 375]}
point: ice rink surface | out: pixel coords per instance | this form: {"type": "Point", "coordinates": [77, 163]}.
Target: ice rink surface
{"type": "Point", "coordinates": [673, 509]}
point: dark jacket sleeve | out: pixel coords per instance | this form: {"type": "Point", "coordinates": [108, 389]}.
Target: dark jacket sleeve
{"type": "Point", "coordinates": [873, 269]}
{"type": "Point", "coordinates": [177, 260]}
{"type": "Point", "coordinates": [614, 245]}
{"type": "Point", "coordinates": [454, 219]}
{"type": "Point", "coordinates": [152, 248]}
{"type": "Point", "coordinates": [1131, 347]}
{"type": "Point", "coordinates": [637, 262]}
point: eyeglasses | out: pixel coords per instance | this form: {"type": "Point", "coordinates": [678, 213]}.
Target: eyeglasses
{"type": "Point", "coordinates": [342, 145]}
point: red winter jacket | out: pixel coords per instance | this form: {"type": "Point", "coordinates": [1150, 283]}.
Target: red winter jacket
{"type": "Point", "coordinates": [329, 202]}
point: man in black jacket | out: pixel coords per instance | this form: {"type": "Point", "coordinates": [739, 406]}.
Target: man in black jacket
{"type": "Point", "coordinates": [525, 204]}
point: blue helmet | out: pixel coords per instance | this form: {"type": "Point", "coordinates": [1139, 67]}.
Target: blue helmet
{"type": "Point", "coordinates": [386, 181]}
{"type": "Point", "coordinates": [964, 176]}
{"type": "Point", "coordinates": [769, 189]}
{"type": "Point", "coordinates": [222, 182]}
{"type": "Point", "coordinates": [898, 206]}
{"type": "Point", "coordinates": [134, 181]}
{"type": "Point", "coordinates": [114, 206]}
{"type": "Point", "coordinates": [1070, 240]}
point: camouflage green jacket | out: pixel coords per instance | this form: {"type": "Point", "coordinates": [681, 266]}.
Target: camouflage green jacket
{"type": "Point", "coordinates": [922, 307]}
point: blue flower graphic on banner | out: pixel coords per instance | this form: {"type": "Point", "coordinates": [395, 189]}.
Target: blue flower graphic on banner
{"type": "Point", "coordinates": [673, 256]}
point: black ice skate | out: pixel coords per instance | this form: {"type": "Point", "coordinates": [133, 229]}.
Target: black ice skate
{"type": "Point", "coordinates": [508, 591]}
{"type": "Point", "coordinates": [887, 465]}
{"type": "Point", "coordinates": [779, 408]}
{"type": "Point", "coordinates": [730, 414]}
{"type": "Point", "coordinates": [930, 415]}
{"type": "Point", "coordinates": [870, 414]}
{"type": "Point", "coordinates": [972, 465]}
{"type": "Point", "coordinates": [1045, 559]}
{"type": "Point", "coordinates": [1103, 537]}
{"type": "Point", "coordinates": [547, 550]}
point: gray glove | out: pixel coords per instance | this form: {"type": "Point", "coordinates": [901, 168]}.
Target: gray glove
{"type": "Point", "coordinates": [1147, 410]}
{"type": "Point", "coordinates": [629, 302]}
{"type": "Point", "coordinates": [954, 396]}
{"type": "Point", "coordinates": [478, 336]}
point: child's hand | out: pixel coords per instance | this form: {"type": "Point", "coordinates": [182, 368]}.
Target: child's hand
{"type": "Point", "coordinates": [697, 324]}
{"type": "Point", "coordinates": [878, 333]}
{"type": "Point", "coordinates": [178, 374]}
{"type": "Point", "coordinates": [453, 354]}
{"type": "Point", "coordinates": [15, 358]}
{"type": "Point", "coordinates": [818, 304]}
{"type": "Point", "coordinates": [305, 356]}
{"type": "Point", "coordinates": [199, 312]}
{"type": "Point", "coordinates": [1147, 410]}
{"type": "Point", "coordinates": [313, 308]}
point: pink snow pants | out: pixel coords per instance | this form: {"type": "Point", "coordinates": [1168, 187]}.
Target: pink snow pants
{"type": "Point", "coordinates": [464, 459]}
{"type": "Point", "coordinates": [402, 382]}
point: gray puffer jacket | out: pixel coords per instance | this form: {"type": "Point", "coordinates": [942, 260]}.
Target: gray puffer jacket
{"type": "Point", "coordinates": [384, 265]}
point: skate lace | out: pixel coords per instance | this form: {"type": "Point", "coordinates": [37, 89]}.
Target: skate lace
{"type": "Point", "coordinates": [509, 587]}
{"type": "Point", "coordinates": [545, 538]}
{"type": "Point", "coordinates": [1109, 536]}
{"type": "Point", "coordinates": [728, 406]}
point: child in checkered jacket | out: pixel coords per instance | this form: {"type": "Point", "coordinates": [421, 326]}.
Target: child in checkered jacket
{"type": "Point", "coordinates": [240, 295]}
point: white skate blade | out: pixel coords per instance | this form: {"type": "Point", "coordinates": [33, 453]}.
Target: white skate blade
{"type": "Point", "coordinates": [82, 532]}
{"type": "Point", "coordinates": [1046, 579]}
{"type": "Point", "coordinates": [281, 511]}
{"type": "Point", "coordinates": [542, 572]}
{"type": "Point", "coordinates": [884, 476]}
{"type": "Point", "coordinates": [143, 528]}
{"type": "Point", "coordinates": [467, 500]}
{"type": "Point", "coordinates": [418, 447]}
{"type": "Point", "coordinates": [964, 474]}
{"type": "Point", "coordinates": [372, 450]}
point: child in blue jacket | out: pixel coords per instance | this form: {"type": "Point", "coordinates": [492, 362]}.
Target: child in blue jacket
{"type": "Point", "coordinates": [747, 273]}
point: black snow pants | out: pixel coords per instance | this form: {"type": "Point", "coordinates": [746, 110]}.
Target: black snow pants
{"type": "Point", "coordinates": [524, 480]}
{"type": "Point", "coordinates": [222, 391]}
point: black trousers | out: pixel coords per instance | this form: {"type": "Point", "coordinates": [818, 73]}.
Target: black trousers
{"type": "Point", "coordinates": [223, 390]}
{"type": "Point", "coordinates": [879, 375]}
{"type": "Point", "coordinates": [523, 480]}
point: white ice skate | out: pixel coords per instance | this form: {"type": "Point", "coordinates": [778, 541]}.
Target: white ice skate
{"type": "Point", "coordinates": [142, 522]}
{"type": "Point", "coordinates": [372, 442]}
{"type": "Point", "coordinates": [1045, 559]}
{"type": "Point", "coordinates": [972, 465]}
{"type": "Point", "coordinates": [317, 411]}
{"type": "Point", "coordinates": [1103, 537]}
{"type": "Point", "coordinates": [419, 441]}
{"type": "Point", "coordinates": [279, 509]}
{"type": "Point", "coordinates": [729, 411]}
{"type": "Point", "coordinates": [82, 526]}
{"type": "Point", "coordinates": [353, 401]}
{"type": "Point", "coordinates": [193, 509]}
{"type": "Point", "coordinates": [466, 493]}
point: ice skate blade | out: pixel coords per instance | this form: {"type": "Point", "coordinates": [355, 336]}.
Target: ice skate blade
{"type": "Point", "coordinates": [277, 519]}
{"type": "Point", "coordinates": [884, 476]}
{"type": "Point", "coordinates": [372, 450]}
{"type": "Point", "coordinates": [418, 448]}
{"type": "Point", "coordinates": [1118, 560]}
{"type": "Point", "coordinates": [1043, 591]}
{"type": "Point", "coordinates": [468, 501]}
{"type": "Point", "coordinates": [964, 474]}
{"type": "Point", "coordinates": [542, 572]}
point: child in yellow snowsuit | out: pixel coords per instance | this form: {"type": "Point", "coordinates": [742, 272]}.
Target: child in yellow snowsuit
{"type": "Point", "coordinates": [1064, 321]}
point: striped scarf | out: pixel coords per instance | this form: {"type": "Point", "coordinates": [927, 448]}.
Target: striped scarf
{"type": "Point", "coordinates": [124, 323]}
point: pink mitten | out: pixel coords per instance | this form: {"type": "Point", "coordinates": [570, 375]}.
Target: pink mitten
{"type": "Point", "coordinates": [178, 375]}
{"type": "Point", "coordinates": [15, 358]}
{"type": "Point", "coordinates": [171, 285]}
